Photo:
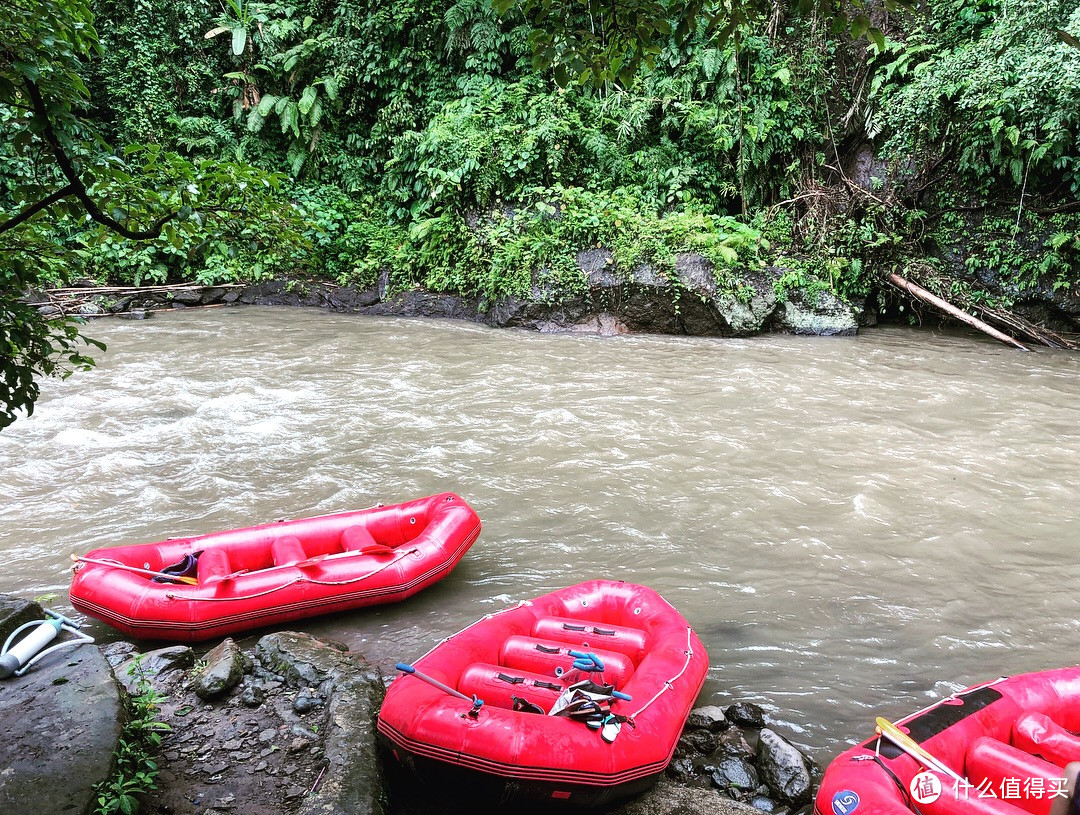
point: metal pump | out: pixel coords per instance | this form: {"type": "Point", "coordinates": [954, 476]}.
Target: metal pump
{"type": "Point", "coordinates": [18, 659]}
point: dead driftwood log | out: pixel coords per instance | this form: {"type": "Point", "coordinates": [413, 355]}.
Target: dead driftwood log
{"type": "Point", "coordinates": [107, 301]}
{"type": "Point", "coordinates": [922, 294]}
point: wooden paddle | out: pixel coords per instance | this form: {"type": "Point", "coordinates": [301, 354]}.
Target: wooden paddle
{"type": "Point", "coordinates": [371, 549]}
{"type": "Point", "coordinates": [914, 749]}
{"type": "Point", "coordinates": [191, 581]}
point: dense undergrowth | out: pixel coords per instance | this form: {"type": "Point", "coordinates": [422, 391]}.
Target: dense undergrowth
{"type": "Point", "coordinates": [416, 136]}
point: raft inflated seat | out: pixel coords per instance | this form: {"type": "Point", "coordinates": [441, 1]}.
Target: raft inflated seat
{"type": "Point", "coordinates": [1038, 734]}
{"type": "Point", "coordinates": [551, 658]}
{"type": "Point", "coordinates": [498, 685]}
{"type": "Point", "coordinates": [213, 565]}
{"type": "Point", "coordinates": [358, 539]}
{"type": "Point", "coordinates": [588, 635]}
{"type": "Point", "coordinates": [999, 764]}
{"type": "Point", "coordinates": [287, 551]}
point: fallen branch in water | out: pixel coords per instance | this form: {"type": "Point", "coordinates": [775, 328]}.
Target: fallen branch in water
{"type": "Point", "coordinates": [1025, 328]}
{"type": "Point", "coordinates": [91, 290]}
{"type": "Point", "coordinates": [922, 294]}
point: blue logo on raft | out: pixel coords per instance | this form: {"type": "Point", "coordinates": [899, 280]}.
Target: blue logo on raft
{"type": "Point", "coordinates": [845, 802]}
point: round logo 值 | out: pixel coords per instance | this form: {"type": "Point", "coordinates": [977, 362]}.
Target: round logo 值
{"type": "Point", "coordinates": [925, 787]}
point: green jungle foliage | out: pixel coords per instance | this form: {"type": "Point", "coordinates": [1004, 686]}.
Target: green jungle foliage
{"type": "Point", "coordinates": [417, 137]}
{"type": "Point", "coordinates": [456, 146]}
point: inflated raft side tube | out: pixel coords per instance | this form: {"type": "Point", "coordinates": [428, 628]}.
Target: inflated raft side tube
{"type": "Point", "coordinates": [529, 657]}
{"type": "Point", "coordinates": [278, 572]}
{"type": "Point", "coordinates": [1006, 743]}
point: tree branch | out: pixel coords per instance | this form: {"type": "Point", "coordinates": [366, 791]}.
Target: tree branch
{"type": "Point", "coordinates": [34, 209]}
{"type": "Point", "coordinates": [75, 184]}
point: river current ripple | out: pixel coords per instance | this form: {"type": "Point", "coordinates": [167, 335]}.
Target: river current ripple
{"type": "Point", "coordinates": [855, 527]}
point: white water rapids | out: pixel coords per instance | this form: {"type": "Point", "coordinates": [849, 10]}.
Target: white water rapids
{"type": "Point", "coordinates": [855, 527]}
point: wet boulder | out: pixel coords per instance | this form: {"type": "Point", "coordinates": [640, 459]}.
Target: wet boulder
{"type": "Point", "coordinates": [698, 741]}
{"type": "Point", "coordinates": [750, 311]}
{"type": "Point", "coordinates": [667, 798]}
{"type": "Point", "coordinates": [733, 742]}
{"type": "Point", "coordinates": [152, 664]}
{"type": "Point", "coordinates": [15, 611]}
{"type": "Point", "coordinates": [734, 773]}
{"type": "Point", "coordinates": [301, 659]}
{"type": "Point", "coordinates": [746, 714]}
{"type": "Point", "coordinates": [708, 717]}
{"type": "Point", "coordinates": [783, 769]}
{"type": "Point", "coordinates": [821, 314]}
{"type": "Point", "coordinates": [189, 297]}
{"type": "Point", "coordinates": [224, 669]}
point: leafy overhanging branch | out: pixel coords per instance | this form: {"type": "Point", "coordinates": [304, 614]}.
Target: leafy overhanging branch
{"type": "Point", "coordinates": [75, 186]}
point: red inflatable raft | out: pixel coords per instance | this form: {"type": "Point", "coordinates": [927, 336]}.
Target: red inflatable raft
{"type": "Point", "coordinates": [615, 734]}
{"type": "Point", "coordinates": [994, 749]}
{"type": "Point", "coordinates": [278, 572]}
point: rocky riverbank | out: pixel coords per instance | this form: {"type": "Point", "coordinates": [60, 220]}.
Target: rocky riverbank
{"type": "Point", "coordinates": [690, 302]}
{"type": "Point", "coordinates": [285, 727]}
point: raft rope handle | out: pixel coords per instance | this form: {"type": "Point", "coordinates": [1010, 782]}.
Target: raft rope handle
{"type": "Point", "coordinates": [669, 684]}
{"type": "Point", "coordinates": [301, 579]}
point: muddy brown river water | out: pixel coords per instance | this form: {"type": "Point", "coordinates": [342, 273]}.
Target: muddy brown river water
{"type": "Point", "coordinates": [855, 527]}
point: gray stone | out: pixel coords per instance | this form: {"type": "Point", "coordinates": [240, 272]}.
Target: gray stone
{"type": "Point", "coordinates": [746, 714]}
{"type": "Point", "coordinates": [49, 310]}
{"type": "Point", "coordinates": [783, 769]}
{"type": "Point", "coordinates": [348, 298]}
{"type": "Point", "coordinates": [427, 304]}
{"type": "Point", "coordinates": [353, 781]}
{"type": "Point", "coordinates": [735, 773]}
{"type": "Point", "coordinates": [669, 798]}
{"type": "Point", "coordinates": [253, 693]}
{"type": "Point", "coordinates": [120, 304]}
{"type": "Point", "coordinates": [733, 743]}
{"type": "Point", "coordinates": [682, 769]}
{"type": "Point", "coordinates": [118, 653]}
{"type": "Point", "coordinates": [750, 313]}
{"type": "Point", "coordinates": [598, 266]}
{"type": "Point", "coordinates": [136, 314]}
{"type": "Point", "coordinates": [61, 725]}
{"type": "Point", "coordinates": [153, 663]}
{"type": "Point", "coordinates": [224, 669]}
{"type": "Point", "coordinates": [90, 310]}
{"type": "Point", "coordinates": [645, 275]}
{"type": "Point", "coordinates": [708, 717]}
{"type": "Point", "coordinates": [822, 314]}
{"type": "Point", "coordinates": [188, 297]}
{"type": "Point", "coordinates": [213, 294]}
{"type": "Point", "coordinates": [699, 741]}
{"type": "Point", "coordinates": [764, 803]}
{"type": "Point", "coordinates": [15, 611]}
{"type": "Point", "coordinates": [696, 273]}
{"type": "Point", "coordinates": [305, 702]}
{"type": "Point", "coordinates": [301, 659]}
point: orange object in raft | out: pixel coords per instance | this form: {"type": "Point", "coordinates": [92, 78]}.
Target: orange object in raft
{"type": "Point", "coordinates": [278, 572]}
